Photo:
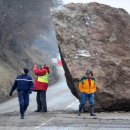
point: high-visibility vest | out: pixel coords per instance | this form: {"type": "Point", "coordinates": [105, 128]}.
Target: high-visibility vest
{"type": "Point", "coordinates": [44, 78]}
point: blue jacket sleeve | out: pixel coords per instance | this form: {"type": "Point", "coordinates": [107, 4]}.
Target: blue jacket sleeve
{"type": "Point", "coordinates": [14, 86]}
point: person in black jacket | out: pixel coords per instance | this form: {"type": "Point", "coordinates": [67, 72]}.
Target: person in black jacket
{"type": "Point", "coordinates": [24, 85]}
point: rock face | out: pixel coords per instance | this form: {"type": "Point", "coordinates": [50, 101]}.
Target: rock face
{"type": "Point", "coordinates": [96, 36]}
{"type": "Point", "coordinates": [25, 38]}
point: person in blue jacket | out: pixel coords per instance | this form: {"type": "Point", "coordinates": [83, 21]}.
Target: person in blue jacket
{"type": "Point", "coordinates": [24, 85]}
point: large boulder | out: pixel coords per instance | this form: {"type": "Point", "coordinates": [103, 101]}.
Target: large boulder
{"type": "Point", "coordinates": [97, 37]}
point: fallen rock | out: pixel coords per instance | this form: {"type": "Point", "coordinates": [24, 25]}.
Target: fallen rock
{"type": "Point", "coordinates": [96, 36]}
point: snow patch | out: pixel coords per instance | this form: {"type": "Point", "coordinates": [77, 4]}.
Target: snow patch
{"type": "Point", "coordinates": [83, 53]}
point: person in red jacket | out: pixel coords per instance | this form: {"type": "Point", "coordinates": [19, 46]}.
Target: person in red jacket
{"type": "Point", "coordinates": [40, 86]}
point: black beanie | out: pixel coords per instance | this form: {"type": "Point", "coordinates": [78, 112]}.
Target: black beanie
{"type": "Point", "coordinates": [25, 71]}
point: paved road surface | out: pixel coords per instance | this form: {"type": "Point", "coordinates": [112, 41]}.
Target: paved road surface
{"type": "Point", "coordinates": [61, 114]}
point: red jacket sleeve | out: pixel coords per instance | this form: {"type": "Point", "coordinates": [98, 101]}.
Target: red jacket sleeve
{"type": "Point", "coordinates": [48, 70]}
{"type": "Point", "coordinates": [39, 72]}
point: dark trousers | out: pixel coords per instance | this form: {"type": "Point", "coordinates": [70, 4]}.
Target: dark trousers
{"type": "Point", "coordinates": [23, 98]}
{"type": "Point", "coordinates": [41, 100]}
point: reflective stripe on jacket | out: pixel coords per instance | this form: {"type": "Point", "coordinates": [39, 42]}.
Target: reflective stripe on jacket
{"type": "Point", "coordinates": [44, 78]}
{"type": "Point", "coordinates": [87, 86]}
{"type": "Point", "coordinates": [23, 83]}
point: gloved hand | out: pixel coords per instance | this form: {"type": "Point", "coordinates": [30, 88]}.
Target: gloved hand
{"type": "Point", "coordinates": [10, 94]}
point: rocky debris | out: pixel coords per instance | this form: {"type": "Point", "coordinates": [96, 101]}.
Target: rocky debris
{"type": "Point", "coordinates": [96, 36]}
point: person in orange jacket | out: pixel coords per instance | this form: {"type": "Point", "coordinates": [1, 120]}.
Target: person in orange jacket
{"type": "Point", "coordinates": [87, 87]}
{"type": "Point", "coordinates": [40, 86]}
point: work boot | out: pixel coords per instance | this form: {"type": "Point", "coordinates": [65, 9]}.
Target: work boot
{"type": "Point", "coordinates": [92, 114]}
{"type": "Point", "coordinates": [22, 116]}
{"type": "Point", "coordinates": [44, 110]}
{"type": "Point", "coordinates": [92, 111]}
{"type": "Point", "coordinates": [79, 113]}
{"type": "Point", "coordinates": [38, 109]}
{"type": "Point", "coordinates": [80, 109]}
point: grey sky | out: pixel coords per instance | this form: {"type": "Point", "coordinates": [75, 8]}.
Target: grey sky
{"type": "Point", "coordinates": [125, 4]}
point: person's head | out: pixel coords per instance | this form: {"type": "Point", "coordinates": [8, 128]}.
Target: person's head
{"type": "Point", "coordinates": [45, 65]}
{"type": "Point", "coordinates": [24, 71]}
{"type": "Point", "coordinates": [89, 73]}
{"type": "Point", "coordinates": [39, 66]}
{"type": "Point", "coordinates": [35, 66]}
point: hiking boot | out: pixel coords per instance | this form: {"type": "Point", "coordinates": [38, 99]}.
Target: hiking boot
{"type": "Point", "coordinates": [22, 116]}
{"type": "Point", "coordinates": [92, 111]}
{"type": "Point", "coordinates": [38, 110]}
{"type": "Point", "coordinates": [43, 111]}
{"type": "Point", "coordinates": [79, 113]}
{"type": "Point", "coordinates": [92, 114]}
